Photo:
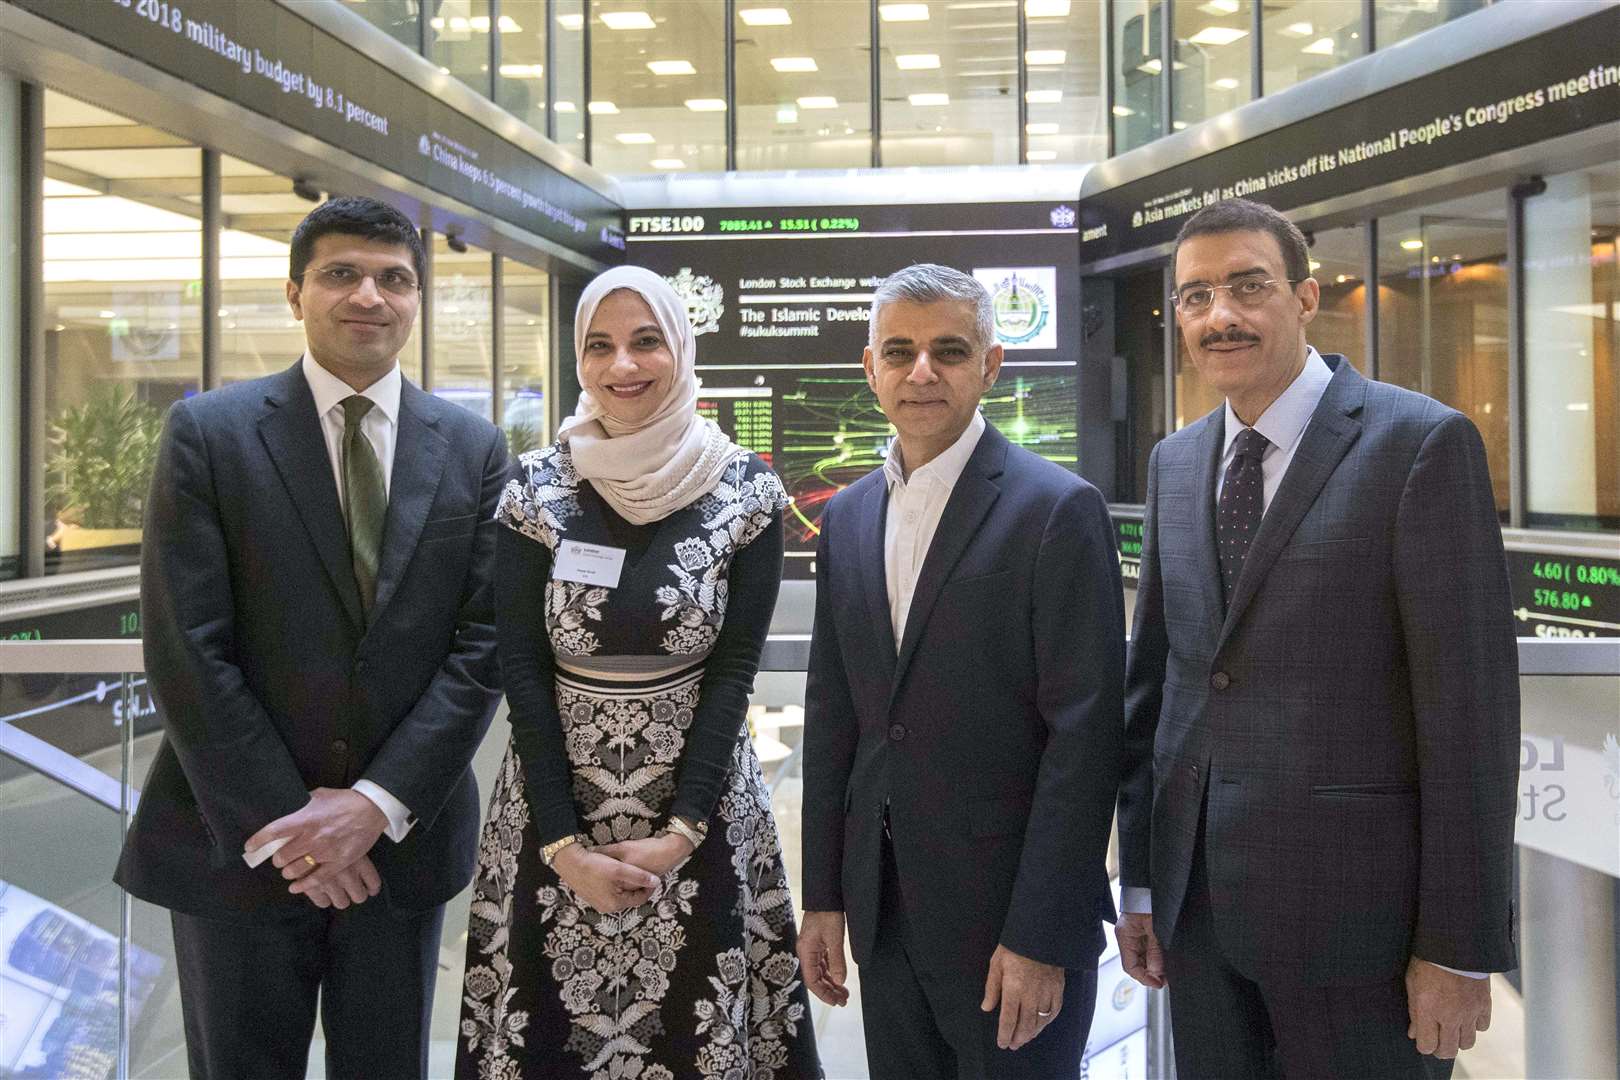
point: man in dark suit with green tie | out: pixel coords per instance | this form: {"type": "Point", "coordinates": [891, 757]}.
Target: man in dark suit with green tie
{"type": "Point", "coordinates": [315, 587]}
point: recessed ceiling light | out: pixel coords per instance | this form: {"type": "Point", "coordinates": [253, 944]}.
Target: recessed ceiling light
{"type": "Point", "coordinates": [1041, 129]}
{"type": "Point", "coordinates": [671, 67]}
{"type": "Point", "coordinates": [1226, 84]}
{"type": "Point", "coordinates": [1041, 155]}
{"type": "Point", "coordinates": [563, 106]}
{"type": "Point", "coordinates": [787, 64]}
{"type": "Point", "coordinates": [1315, 266]}
{"type": "Point", "coordinates": [667, 164]}
{"type": "Point", "coordinates": [1151, 67]}
{"type": "Point", "coordinates": [108, 314]}
{"type": "Point", "coordinates": [706, 104]}
{"type": "Point", "coordinates": [903, 12]}
{"type": "Point", "coordinates": [1124, 110]}
{"type": "Point", "coordinates": [603, 108]}
{"type": "Point", "coordinates": [769, 16]}
{"type": "Point", "coordinates": [1045, 57]}
{"type": "Point", "coordinates": [1046, 9]}
{"type": "Point", "coordinates": [1412, 244]}
{"type": "Point", "coordinates": [922, 100]}
{"type": "Point", "coordinates": [1299, 29]}
{"type": "Point", "coordinates": [1218, 35]}
{"type": "Point", "coordinates": [787, 114]}
{"type": "Point", "coordinates": [1341, 279]}
{"type": "Point", "coordinates": [1179, 125]}
{"type": "Point", "coordinates": [509, 26]}
{"type": "Point", "coordinates": [523, 71]}
{"type": "Point", "coordinates": [818, 103]}
{"type": "Point", "coordinates": [917, 61]}
{"type": "Point", "coordinates": [1043, 97]}
{"type": "Point", "coordinates": [572, 21]}
{"type": "Point", "coordinates": [635, 138]}
{"type": "Point", "coordinates": [1221, 7]}
{"type": "Point", "coordinates": [627, 20]}
{"type": "Point", "coordinates": [1319, 47]}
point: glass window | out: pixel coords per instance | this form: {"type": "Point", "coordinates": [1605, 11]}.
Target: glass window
{"type": "Point", "coordinates": [520, 82]}
{"type": "Point", "coordinates": [1571, 339]}
{"type": "Point", "coordinates": [568, 108]}
{"type": "Point", "coordinates": [458, 41]}
{"type": "Point", "coordinates": [1302, 38]}
{"type": "Point", "coordinates": [658, 86]}
{"type": "Point", "coordinates": [10, 354]}
{"type": "Point", "coordinates": [1339, 265]}
{"type": "Point", "coordinates": [803, 82]}
{"type": "Point", "coordinates": [1443, 314]}
{"type": "Point", "coordinates": [950, 87]}
{"type": "Point", "coordinates": [1139, 359]}
{"type": "Point", "coordinates": [525, 355]}
{"type": "Point", "coordinates": [1068, 90]}
{"type": "Point", "coordinates": [122, 327]}
{"type": "Point", "coordinates": [258, 334]}
{"type": "Point", "coordinates": [1138, 67]}
{"type": "Point", "coordinates": [463, 352]}
{"type": "Point", "coordinates": [1397, 20]}
{"type": "Point", "coordinates": [1214, 51]}
{"type": "Point", "coordinates": [401, 18]}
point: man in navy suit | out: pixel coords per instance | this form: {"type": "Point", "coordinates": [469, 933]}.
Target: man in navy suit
{"type": "Point", "coordinates": [1316, 826]}
{"type": "Point", "coordinates": [963, 719]}
{"type": "Point", "coordinates": [315, 590]}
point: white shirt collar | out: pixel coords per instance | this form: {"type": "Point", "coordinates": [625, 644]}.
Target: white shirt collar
{"type": "Point", "coordinates": [329, 390]}
{"type": "Point", "coordinates": [946, 468]}
{"type": "Point", "coordinates": [1284, 420]}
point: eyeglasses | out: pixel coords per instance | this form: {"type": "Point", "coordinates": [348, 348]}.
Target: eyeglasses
{"type": "Point", "coordinates": [1199, 297]}
{"type": "Point", "coordinates": [348, 278]}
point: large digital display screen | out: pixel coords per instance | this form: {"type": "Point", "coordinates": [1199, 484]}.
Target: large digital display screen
{"type": "Point", "coordinates": [781, 300]}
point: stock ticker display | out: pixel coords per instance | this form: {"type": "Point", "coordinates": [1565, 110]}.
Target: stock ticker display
{"type": "Point", "coordinates": [781, 299]}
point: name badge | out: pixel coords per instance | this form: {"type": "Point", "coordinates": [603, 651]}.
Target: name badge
{"type": "Point", "coordinates": [588, 564]}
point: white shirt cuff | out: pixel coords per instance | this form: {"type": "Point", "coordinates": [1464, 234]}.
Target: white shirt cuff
{"type": "Point", "coordinates": [1136, 900]}
{"type": "Point", "coordinates": [263, 852]}
{"type": "Point", "coordinates": [399, 818]}
{"type": "Point", "coordinates": [1454, 971]}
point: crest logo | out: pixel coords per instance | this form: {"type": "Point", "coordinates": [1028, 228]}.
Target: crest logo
{"type": "Point", "coordinates": [424, 146]}
{"type": "Point", "coordinates": [1021, 309]}
{"type": "Point", "coordinates": [1064, 217]}
{"type": "Point", "coordinates": [1136, 220]}
{"type": "Point", "coordinates": [703, 299]}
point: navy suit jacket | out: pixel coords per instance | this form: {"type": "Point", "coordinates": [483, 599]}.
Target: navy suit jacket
{"type": "Point", "coordinates": [267, 677]}
{"type": "Point", "coordinates": [1348, 726]}
{"type": "Point", "coordinates": [992, 735]}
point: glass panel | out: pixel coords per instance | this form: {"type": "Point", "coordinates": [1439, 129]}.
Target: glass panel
{"type": "Point", "coordinates": [1443, 313]}
{"type": "Point", "coordinates": [1572, 352]}
{"type": "Point", "coordinates": [258, 334]}
{"type": "Point", "coordinates": [1139, 345]}
{"type": "Point", "coordinates": [463, 352]}
{"type": "Point", "coordinates": [658, 86]}
{"type": "Point", "coordinates": [1339, 263]}
{"type": "Point", "coordinates": [458, 41]}
{"type": "Point", "coordinates": [525, 355]}
{"type": "Point", "coordinates": [401, 18]}
{"type": "Point", "coordinates": [1138, 83]}
{"type": "Point", "coordinates": [1397, 20]}
{"type": "Point", "coordinates": [1073, 126]}
{"type": "Point", "coordinates": [803, 80]}
{"type": "Point", "coordinates": [950, 87]}
{"type": "Point", "coordinates": [1302, 38]}
{"type": "Point", "coordinates": [1195, 398]}
{"type": "Point", "coordinates": [10, 351]}
{"type": "Point", "coordinates": [569, 105]}
{"type": "Point", "coordinates": [520, 84]}
{"type": "Point", "coordinates": [1214, 50]}
{"type": "Point", "coordinates": [123, 290]}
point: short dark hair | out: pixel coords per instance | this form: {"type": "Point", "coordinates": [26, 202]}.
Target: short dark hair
{"type": "Point", "coordinates": [354, 215]}
{"type": "Point", "coordinates": [1243, 215]}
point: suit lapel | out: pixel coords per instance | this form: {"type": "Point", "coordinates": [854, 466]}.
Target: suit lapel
{"type": "Point", "coordinates": [1209, 447]}
{"type": "Point", "coordinates": [419, 458]}
{"type": "Point", "coordinates": [1328, 437]}
{"type": "Point", "coordinates": [874, 575]}
{"type": "Point", "coordinates": [971, 499]}
{"type": "Point", "coordinates": [292, 434]}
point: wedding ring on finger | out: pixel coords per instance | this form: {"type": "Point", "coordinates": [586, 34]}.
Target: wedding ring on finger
{"type": "Point", "coordinates": [1047, 1015]}
{"type": "Point", "coordinates": [310, 859]}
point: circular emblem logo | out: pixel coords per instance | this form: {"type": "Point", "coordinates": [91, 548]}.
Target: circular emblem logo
{"type": "Point", "coordinates": [1021, 309]}
{"type": "Point", "coordinates": [1124, 994]}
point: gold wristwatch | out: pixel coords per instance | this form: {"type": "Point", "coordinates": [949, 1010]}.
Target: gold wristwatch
{"type": "Point", "coordinates": [549, 853]}
{"type": "Point", "coordinates": [693, 832]}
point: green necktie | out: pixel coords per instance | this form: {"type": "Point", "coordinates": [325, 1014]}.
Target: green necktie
{"type": "Point", "coordinates": [365, 498]}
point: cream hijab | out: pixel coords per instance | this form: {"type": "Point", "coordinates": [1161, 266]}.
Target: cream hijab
{"type": "Point", "coordinates": [649, 470]}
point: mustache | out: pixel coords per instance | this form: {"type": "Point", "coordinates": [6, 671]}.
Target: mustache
{"type": "Point", "coordinates": [1228, 337]}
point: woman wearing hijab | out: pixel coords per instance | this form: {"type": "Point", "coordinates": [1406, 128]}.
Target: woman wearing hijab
{"type": "Point", "coordinates": [631, 915]}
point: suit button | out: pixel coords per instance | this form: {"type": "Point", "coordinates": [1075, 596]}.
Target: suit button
{"type": "Point", "coordinates": [897, 732]}
{"type": "Point", "coordinates": [340, 746]}
{"type": "Point", "coordinates": [1220, 680]}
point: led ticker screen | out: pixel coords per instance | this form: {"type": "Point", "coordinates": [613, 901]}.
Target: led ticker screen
{"type": "Point", "coordinates": [781, 300]}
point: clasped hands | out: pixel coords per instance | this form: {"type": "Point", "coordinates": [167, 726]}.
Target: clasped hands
{"type": "Point", "coordinates": [617, 877]}
{"type": "Point", "coordinates": [326, 844]}
{"type": "Point", "coordinates": [1446, 1010]}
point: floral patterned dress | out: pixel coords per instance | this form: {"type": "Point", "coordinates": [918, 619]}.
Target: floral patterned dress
{"type": "Point", "coordinates": [702, 980]}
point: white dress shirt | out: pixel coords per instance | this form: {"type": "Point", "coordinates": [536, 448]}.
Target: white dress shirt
{"type": "Point", "coordinates": [915, 506]}
{"type": "Point", "coordinates": [1283, 424]}
{"type": "Point", "coordinates": [380, 427]}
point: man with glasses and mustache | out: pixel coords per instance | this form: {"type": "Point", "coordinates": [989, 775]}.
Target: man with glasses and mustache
{"type": "Point", "coordinates": [1322, 711]}
{"type": "Point", "coordinates": [315, 591]}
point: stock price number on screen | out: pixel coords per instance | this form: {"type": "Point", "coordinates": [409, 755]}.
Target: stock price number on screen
{"type": "Point", "coordinates": [1561, 601]}
{"type": "Point", "coordinates": [1581, 573]}
{"type": "Point", "coordinates": [826, 224]}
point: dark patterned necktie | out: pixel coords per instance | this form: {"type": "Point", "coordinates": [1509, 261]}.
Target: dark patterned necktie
{"type": "Point", "coordinates": [365, 498]}
{"type": "Point", "coordinates": [1242, 504]}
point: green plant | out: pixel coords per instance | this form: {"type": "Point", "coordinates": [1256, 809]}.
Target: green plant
{"type": "Point", "coordinates": [101, 458]}
{"type": "Point", "coordinates": [521, 437]}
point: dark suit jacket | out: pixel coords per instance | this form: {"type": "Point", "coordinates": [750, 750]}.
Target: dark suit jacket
{"type": "Point", "coordinates": [993, 737]}
{"type": "Point", "coordinates": [267, 678]}
{"type": "Point", "coordinates": [1349, 727]}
